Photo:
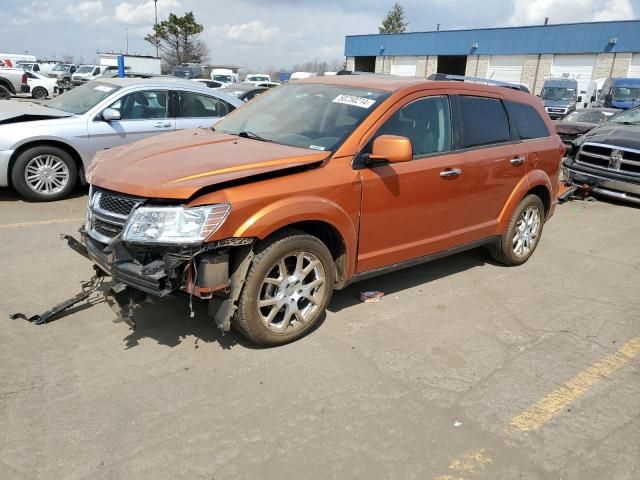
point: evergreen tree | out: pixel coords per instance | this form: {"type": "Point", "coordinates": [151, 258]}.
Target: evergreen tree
{"type": "Point", "coordinates": [394, 21]}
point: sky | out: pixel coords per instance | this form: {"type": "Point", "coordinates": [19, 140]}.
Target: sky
{"type": "Point", "coordinates": [262, 33]}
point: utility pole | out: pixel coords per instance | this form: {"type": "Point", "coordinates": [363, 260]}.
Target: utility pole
{"type": "Point", "coordinates": [156, 26]}
{"type": "Point", "coordinates": [127, 30]}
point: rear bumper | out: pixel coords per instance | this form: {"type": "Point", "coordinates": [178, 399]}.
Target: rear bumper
{"type": "Point", "coordinates": [5, 158]}
{"type": "Point", "coordinates": [613, 188]}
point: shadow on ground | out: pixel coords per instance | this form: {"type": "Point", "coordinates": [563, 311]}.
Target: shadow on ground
{"type": "Point", "coordinates": [8, 194]}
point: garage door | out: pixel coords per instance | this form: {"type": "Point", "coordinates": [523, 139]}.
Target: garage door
{"type": "Point", "coordinates": [507, 68]}
{"type": "Point", "coordinates": [634, 68]}
{"type": "Point", "coordinates": [579, 67]}
{"type": "Point", "coordinates": [404, 66]}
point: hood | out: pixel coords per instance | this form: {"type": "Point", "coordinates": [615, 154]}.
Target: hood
{"type": "Point", "coordinates": [558, 103]}
{"type": "Point", "coordinates": [615, 134]}
{"type": "Point", "coordinates": [12, 111]}
{"type": "Point", "coordinates": [573, 128]}
{"type": "Point", "coordinates": [176, 165]}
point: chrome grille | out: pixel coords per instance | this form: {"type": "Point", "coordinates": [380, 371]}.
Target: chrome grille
{"type": "Point", "coordinates": [108, 214]}
{"type": "Point", "coordinates": [610, 158]}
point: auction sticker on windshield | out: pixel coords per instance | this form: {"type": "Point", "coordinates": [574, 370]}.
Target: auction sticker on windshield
{"type": "Point", "coordinates": [354, 101]}
{"type": "Point", "coordinates": [102, 88]}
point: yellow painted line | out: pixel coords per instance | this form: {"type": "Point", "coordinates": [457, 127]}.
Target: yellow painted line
{"type": "Point", "coordinates": [41, 222]}
{"type": "Point", "coordinates": [547, 407]}
{"type": "Point", "coordinates": [467, 464]}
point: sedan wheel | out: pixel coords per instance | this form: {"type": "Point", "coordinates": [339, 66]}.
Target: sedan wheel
{"type": "Point", "coordinates": [44, 173]}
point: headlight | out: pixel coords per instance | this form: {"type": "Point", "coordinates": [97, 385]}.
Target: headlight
{"type": "Point", "coordinates": [174, 224]}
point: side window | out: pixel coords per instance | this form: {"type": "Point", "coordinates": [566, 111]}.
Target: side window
{"type": "Point", "coordinates": [36, 68]}
{"type": "Point", "coordinates": [526, 121]}
{"type": "Point", "coordinates": [96, 71]}
{"type": "Point", "coordinates": [196, 105]}
{"type": "Point", "coordinates": [142, 105]}
{"type": "Point", "coordinates": [426, 122]}
{"type": "Point", "coordinates": [483, 121]}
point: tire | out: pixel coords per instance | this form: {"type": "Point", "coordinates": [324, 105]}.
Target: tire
{"type": "Point", "coordinates": [48, 164]}
{"type": "Point", "coordinates": [5, 94]}
{"type": "Point", "coordinates": [282, 293]}
{"type": "Point", "coordinates": [512, 251]}
{"type": "Point", "coordinates": [39, 93]}
{"type": "Point", "coordinates": [66, 82]}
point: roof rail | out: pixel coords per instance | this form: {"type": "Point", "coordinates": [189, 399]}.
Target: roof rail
{"type": "Point", "coordinates": [488, 81]}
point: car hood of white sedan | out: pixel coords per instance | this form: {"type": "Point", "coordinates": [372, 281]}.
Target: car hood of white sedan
{"type": "Point", "coordinates": [13, 111]}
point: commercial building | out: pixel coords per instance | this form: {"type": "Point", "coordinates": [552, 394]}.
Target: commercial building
{"type": "Point", "coordinates": [528, 55]}
{"type": "Point", "coordinates": [133, 63]}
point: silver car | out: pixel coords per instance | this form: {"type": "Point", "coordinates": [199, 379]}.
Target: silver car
{"type": "Point", "coordinates": [45, 149]}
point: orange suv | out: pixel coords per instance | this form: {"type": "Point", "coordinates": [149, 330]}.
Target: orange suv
{"type": "Point", "coordinates": [317, 184]}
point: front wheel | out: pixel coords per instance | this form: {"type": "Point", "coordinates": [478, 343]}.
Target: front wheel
{"type": "Point", "coordinates": [288, 288]}
{"type": "Point", "coordinates": [39, 93]}
{"type": "Point", "coordinates": [523, 233]}
{"type": "Point", "coordinates": [44, 174]}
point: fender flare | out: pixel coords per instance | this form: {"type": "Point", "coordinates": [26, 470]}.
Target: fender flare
{"type": "Point", "coordinates": [533, 179]}
{"type": "Point", "coordinates": [288, 211]}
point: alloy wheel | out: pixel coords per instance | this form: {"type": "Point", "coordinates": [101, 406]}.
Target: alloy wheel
{"type": "Point", "coordinates": [292, 292]}
{"type": "Point", "coordinates": [527, 231]}
{"type": "Point", "coordinates": [46, 174]}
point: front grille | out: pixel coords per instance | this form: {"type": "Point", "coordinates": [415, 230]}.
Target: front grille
{"type": "Point", "coordinates": [116, 204]}
{"type": "Point", "coordinates": [108, 213]}
{"type": "Point", "coordinates": [610, 158]}
{"type": "Point", "coordinates": [106, 229]}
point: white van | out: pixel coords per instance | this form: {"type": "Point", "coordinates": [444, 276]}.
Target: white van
{"type": "Point", "coordinates": [593, 92]}
{"type": "Point", "coordinates": [224, 76]}
{"type": "Point", "coordinates": [301, 75]}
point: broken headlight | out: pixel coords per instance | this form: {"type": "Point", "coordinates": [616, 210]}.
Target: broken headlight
{"type": "Point", "coordinates": [168, 225]}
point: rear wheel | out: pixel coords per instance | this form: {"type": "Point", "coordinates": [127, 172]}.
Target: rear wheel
{"type": "Point", "coordinates": [287, 290]}
{"type": "Point", "coordinates": [44, 174]}
{"type": "Point", "coordinates": [5, 94]}
{"type": "Point", "coordinates": [39, 93]}
{"type": "Point", "coordinates": [523, 233]}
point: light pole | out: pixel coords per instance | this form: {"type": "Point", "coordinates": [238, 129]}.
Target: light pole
{"type": "Point", "coordinates": [155, 2]}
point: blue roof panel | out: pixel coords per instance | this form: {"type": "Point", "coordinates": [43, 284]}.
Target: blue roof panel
{"type": "Point", "coordinates": [564, 38]}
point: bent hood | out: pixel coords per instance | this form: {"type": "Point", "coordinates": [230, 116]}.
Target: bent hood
{"type": "Point", "coordinates": [177, 165]}
{"type": "Point", "coordinates": [573, 128]}
{"type": "Point", "coordinates": [618, 135]}
{"type": "Point", "coordinates": [13, 111]}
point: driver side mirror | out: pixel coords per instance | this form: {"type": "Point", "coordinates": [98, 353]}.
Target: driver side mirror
{"type": "Point", "coordinates": [110, 114]}
{"type": "Point", "coordinates": [392, 149]}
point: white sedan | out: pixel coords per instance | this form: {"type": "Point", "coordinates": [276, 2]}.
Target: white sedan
{"type": "Point", "coordinates": [40, 86]}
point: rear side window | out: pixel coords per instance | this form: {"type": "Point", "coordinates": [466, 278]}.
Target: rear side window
{"type": "Point", "coordinates": [526, 120]}
{"type": "Point", "coordinates": [483, 121]}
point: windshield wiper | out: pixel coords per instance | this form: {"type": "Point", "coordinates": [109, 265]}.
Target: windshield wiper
{"type": "Point", "coordinates": [253, 136]}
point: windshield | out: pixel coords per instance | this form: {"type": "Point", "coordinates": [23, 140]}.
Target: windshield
{"type": "Point", "coordinates": [309, 115]}
{"type": "Point", "coordinates": [558, 93]}
{"type": "Point", "coordinates": [588, 116]}
{"type": "Point", "coordinates": [626, 93]}
{"type": "Point", "coordinates": [84, 70]}
{"type": "Point", "coordinates": [222, 78]}
{"type": "Point", "coordinates": [629, 117]}
{"type": "Point", "coordinates": [82, 99]}
{"type": "Point", "coordinates": [60, 68]}
{"type": "Point", "coordinates": [258, 78]}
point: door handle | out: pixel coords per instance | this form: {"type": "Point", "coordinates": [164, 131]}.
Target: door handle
{"type": "Point", "coordinates": [517, 161]}
{"type": "Point", "coordinates": [162, 125]}
{"type": "Point", "coordinates": [450, 172]}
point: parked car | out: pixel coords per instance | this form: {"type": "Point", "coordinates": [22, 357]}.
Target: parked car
{"type": "Point", "coordinates": [577, 123]}
{"type": "Point", "coordinates": [257, 78]}
{"type": "Point", "coordinates": [244, 91]}
{"type": "Point", "coordinates": [208, 83]}
{"type": "Point", "coordinates": [620, 93]}
{"type": "Point", "coordinates": [225, 76]}
{"type": "Point", "coordinates": [318, 184]}
{"type": "Point", "coordinates": [41, 86]}
{"type": "Point", "coordinates": [607, 158]}
{"type": "Point", "coordinates": [559, 96]}
{"type": "Point", "coordinates": [62, 72]}
{"type": "Point", "coordinates": [594, 90]}
{"type": "Point", "coordinates": [267, 84]}
{"type": "Point", "coordinates": [12, 81]}
{"type": "Point", "coordinates": [301, 75]}
{"type": "Point", "coordinates": [86, 73]}
{"type": "Point", "coordinates": [45, 149]}
{"type": "Point", "coordinates": [187, 70]}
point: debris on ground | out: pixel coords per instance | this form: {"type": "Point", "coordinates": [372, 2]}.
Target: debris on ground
{"type": "Point", "coordinates": [457, 423]}
{"type": "Point", "coordinates": [371, 296]}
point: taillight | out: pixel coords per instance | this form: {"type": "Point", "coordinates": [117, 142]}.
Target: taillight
{"type": "Point", "coordinates": [24, 78]}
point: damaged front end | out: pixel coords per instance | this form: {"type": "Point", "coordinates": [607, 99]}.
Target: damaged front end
{"type": "Point", "coordinates": [151, 249]}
